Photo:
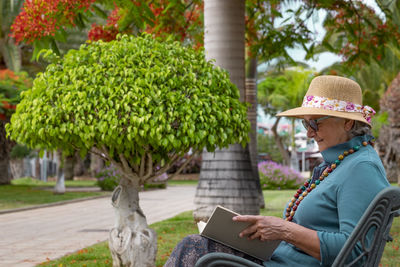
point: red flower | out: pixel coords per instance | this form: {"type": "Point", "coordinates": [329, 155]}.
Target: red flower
{"type": "Point", "coordinates": [41, 18]}
{"type": "Point", "coordinates": [6, 105]}
{"type": "Point", "coordinates": [109, 31]}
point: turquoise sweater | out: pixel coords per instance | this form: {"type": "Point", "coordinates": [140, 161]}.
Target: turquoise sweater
{"type": "Point", "coordinates": [334, 207]}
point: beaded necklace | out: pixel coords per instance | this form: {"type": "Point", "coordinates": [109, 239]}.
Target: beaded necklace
{"type": "Point", "coordinates": [307, 187]}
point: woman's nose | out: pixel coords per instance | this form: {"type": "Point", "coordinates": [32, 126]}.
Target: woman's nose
{"type": "Point", "coordinates": [310, 132]}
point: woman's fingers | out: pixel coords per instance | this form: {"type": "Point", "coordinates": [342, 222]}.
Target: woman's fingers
{"type": "Point", "coordinates": [251, 231]}
{"type": "Point", "coordinates": [246, 218]}
{"type": "Point", "coordinates": [255, 235]}
{"type": "Point", "coordinates": [262, 227]}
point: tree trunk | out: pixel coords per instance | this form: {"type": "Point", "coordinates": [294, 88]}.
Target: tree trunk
{"type": "Point", "coordinates": [5, 148]}
{"type": "Point", "coordinates": [294, 160]}
{"type": "Point", "coordinates": [251, 97]}
{"type": "Point", "coordinates": [37, 168]}
{"type": "Point", "coordinates": [96, 164]}
{"type": "Point", "coordinates": [278, 140]}
{"type": "Point", "coordinates": [226, 179]}
{"type": "Point", "coordinates": [59, 188]}
{"type": "Point", "coordinates": [292, 134]}
{"type": "Point", "coordinates": [11, 54]}
{"type": "Point", "coordinates": [17, 168]}
{"type": "Point", "coordinates": [68, 163]}
{"type": "Point", "coordinates": [131, 241]}
{"type": "Point", "coordinates": [389, 135]}
{"type": "Point", "coordinates": [79, 165]}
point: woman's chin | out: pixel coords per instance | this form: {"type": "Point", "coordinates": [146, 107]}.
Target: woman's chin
{"type": "Point", "coordinates": [321, 146]}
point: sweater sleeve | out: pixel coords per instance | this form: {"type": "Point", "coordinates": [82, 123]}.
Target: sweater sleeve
{"type": "Point", "coordinates": [363, 182]}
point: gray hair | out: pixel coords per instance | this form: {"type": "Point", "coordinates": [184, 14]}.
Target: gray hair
{"type": "Point", "coordinates": [359, 128]}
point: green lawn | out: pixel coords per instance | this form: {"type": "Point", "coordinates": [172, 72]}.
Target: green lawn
{"type": "Point", "coordinates": [182, 182]}
{"type": "Point", "coordinates": [35, 182]}
{"type": "Point", "coordinates": [275, 200]}
{"type": "Point", "coordinates": [27, 192]}
{"type": "Point", "coordinates": [171, 231]}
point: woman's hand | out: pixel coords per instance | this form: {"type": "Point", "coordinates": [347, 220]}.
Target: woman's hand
{"type": "Point", "coordinates": [263, 227]}
{"type": "Point", "coordinates": [274, 228]}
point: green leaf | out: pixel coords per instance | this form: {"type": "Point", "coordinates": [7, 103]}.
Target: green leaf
{"type": "Point", "coordinates": [211, 139]}
{"type": "Point", "coordinates": [61, 35]}
{"type": "Point", "coordinates": [79, 20]}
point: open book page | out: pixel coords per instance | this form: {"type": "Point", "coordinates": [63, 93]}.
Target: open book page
{"type": "Point", "coordinates": [201, 225]}
{"type": "Point", "coordinates": [222, 229]}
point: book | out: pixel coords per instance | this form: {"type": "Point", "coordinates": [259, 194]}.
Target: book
{"type": "Point", "coordinates": [221, 228]}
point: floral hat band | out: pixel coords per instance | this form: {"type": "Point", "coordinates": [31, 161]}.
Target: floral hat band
{"type": "Point", "coordinates": [311, 101]}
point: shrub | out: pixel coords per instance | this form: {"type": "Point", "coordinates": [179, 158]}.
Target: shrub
{"type": "Point", "coordinates": [132, 97]}
{"type": "Point", "coordinates": [277, 176]}
{"type": "Point", "coordinates": [267, 144]}
{"type": "Point", "coordinates": [21, 151]}
{"type": "Point", "coordinates": [108, 178]}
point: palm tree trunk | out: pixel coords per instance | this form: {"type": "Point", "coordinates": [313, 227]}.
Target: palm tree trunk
{"type": "Point", "coordinates": [226, 176]}
{"type": "Point", "coordinates": [11, 54]}
{"type": "Point", "coordinates": [5, 148]}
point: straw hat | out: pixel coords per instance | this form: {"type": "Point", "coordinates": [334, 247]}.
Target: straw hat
{"type": "Point", "coordinates": [333, 96]}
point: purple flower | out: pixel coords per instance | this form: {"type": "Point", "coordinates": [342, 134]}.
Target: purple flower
{"type": "Point", "coordinates": [310, 97]}
{"type": "Point", "coordinates": [350, 106]}
{"type": "Point", "coordinates": [277, 176]}
{"type": "Point", "coordinates": [329, 107]}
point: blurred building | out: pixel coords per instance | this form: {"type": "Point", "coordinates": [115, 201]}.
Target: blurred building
{"type": "Point", "coordinates": [307, 152]}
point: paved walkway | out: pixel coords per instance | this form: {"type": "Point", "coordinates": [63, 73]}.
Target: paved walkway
{"type": "Point", "coordinates": [30, 237]}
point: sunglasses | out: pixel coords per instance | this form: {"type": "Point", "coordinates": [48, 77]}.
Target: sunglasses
{"type": "Point", "coordinates": [313, 123]}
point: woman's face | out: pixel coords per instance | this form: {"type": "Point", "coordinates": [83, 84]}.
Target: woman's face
{"type": "Point", "coordinates": [331, 131]}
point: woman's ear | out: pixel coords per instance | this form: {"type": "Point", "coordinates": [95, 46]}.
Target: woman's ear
{"type": "Point", "coordinates": [348, 125]}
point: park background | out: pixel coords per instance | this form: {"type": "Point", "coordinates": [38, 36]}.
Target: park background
{"type": "Point", "coordinates": [280, 72]}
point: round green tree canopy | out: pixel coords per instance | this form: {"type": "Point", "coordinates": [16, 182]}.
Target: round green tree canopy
{"type": "Point", "coordinates": [131, 95]}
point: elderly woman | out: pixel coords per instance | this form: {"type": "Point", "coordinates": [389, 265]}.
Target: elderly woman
{"type": "Point", "coordinates": [324, 211]}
